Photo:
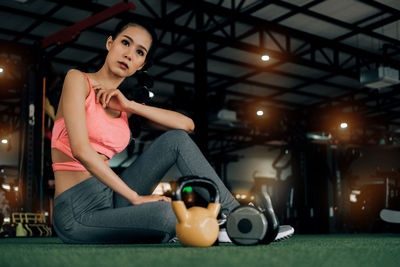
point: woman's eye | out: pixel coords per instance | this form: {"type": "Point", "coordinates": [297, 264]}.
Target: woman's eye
{"type": "Point", "coordinates": [140, 52]}
{"type": "Point", "coordinates": [125, 42]}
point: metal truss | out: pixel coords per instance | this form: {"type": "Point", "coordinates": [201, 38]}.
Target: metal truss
{"type": "Point", "coordinates": [179, 31]}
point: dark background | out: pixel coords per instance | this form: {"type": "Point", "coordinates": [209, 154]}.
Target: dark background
{"type": "Point", "coordinates": [208, 64]}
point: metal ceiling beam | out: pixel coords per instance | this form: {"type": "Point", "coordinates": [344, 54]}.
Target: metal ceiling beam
{"type": "Point", "coordinates": [355, 76]}
{"type": "Point", "coordinates": [86, 48]}
{"type": "Point", "coordinates": [71, 32]}
{"type": "Point", "coordinates": [329, 76]}
{"type": "Point", "coordinates": [91, 6]}
{"type": "Point", "coordinates": [169, 51]}
{"type": "Point", "coordinates": [292, 90]}
{"type": "Point", "coordinates": [5, 31]}
{"type": "Point", "coordinates": [381, 6]}
{"type": "Point", "coordinates": [286, 57]}
{"type": "Point", "coordinates": [249, 82]}
{"type": "Point", "coordinates": [268, 69]}
{"type": "Point", "coordinates": [35, 16]}
{"type": "Point", "coordinates": [336, 22]}
{"type": "Point", "coordinates": [369, 27]}
{"type": "Point", "coordinates": [46, 19]}
{"type": "Point", "coordinates": [251, 20]}
{"type": "Point", "coordinates": [38, 22]}
{"type": "Point", "coordinates": [220, 11]}
{"type": "Point", "coordinates": [295, 10]}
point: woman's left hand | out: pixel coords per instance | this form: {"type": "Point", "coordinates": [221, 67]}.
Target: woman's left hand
{"type": "Point", "coordinates": [111, 98]}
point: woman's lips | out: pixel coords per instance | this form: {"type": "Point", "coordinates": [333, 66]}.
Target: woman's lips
{"type": "Point", "coordinates": [123, 65]}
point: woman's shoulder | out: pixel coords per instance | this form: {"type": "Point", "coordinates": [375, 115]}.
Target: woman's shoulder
{"type": "Point", "coordinates": [76, 79]}
{"type": "Point", "coordinates": [76, 83]}
{"type": "Point", "coordinates": [75, 74]}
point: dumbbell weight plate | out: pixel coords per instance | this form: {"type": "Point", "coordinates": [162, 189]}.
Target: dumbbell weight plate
{"type": "Point", "coordinates": [246, 225]}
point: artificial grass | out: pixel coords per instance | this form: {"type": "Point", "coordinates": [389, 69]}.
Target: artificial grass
{"type": "Point", "coordinates": [301, 250]}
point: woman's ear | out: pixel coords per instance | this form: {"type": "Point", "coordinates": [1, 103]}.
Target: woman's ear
{"type": "Point", "coordinates": [109, 43]}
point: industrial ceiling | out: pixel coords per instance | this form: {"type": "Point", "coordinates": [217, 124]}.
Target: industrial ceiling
{"type": "Point", "coordinates": [209, 63]}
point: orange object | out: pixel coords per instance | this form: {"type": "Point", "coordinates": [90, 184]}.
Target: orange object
{"type": "Point", "coordinates": [196, 226]}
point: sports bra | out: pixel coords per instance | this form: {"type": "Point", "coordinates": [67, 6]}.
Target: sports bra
{"type": "Point", "coordinates": [107, 135]}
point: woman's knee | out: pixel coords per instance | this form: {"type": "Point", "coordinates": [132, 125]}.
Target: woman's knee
{"type": "Point", "coordinates": [176, 134]}
{"type": "Point", "coordinates": [176, 137]}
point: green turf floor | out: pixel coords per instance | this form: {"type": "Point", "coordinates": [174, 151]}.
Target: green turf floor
{"type": "Point", "coordinates": [300, 250]}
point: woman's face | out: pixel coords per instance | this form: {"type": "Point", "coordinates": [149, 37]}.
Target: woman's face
{"type": "Point", "coordinates": [127, 53]}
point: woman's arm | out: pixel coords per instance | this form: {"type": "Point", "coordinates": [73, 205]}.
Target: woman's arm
{"type": "Point", "coordinates": [75, 91]}
{"type": "Point", "coordinates": [114, 99]}
{"type": "Point", "coordinates": [167, 118]}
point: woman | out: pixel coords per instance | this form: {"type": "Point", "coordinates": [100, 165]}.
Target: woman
{"type": "Point", "coordinates": [92, 203]}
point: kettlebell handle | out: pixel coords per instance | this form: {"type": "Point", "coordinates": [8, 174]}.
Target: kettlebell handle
{"type": "Point", "coordinates": [197, 181]}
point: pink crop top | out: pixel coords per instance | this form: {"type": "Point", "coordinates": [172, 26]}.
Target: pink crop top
{"type": "Point", "coordinates": [107, 135]}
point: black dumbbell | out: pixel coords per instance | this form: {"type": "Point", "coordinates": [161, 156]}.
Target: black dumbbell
{"type": "Point", "coordinates": [250, 225]}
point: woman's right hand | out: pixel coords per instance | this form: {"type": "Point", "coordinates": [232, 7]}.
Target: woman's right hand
{"type": "Point", "coordinates": [111, 98]}
{"type": "Point", "coordinates": [151, 198]}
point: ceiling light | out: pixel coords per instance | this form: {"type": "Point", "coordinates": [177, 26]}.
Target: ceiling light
{"type": "Point", "coordinates": [1, 70]}
{"type": "Point", "coordinates": [4, 141]}
{"type": "Point", "coordinates": [264, 57]}
{"type": "Point", "coordinates": [6, 187]}
{"type": "Point", "coordinates": [151, 94]}
{"type": "Point", "coordinates": [343, 125]}
{"type": "Point", "coordinates": [260, 112]}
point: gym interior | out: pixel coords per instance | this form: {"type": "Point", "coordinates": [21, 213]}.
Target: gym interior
{"type": "Point", "coordinates": [297, 99]}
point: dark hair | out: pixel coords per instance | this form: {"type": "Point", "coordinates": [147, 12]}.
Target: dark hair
{"type": "Point", "coordinates": [149, 28]}
{"type": "Point", "coordinates": [137, 88]}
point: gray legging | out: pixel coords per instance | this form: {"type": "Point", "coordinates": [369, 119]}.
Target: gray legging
{"type": "Point", "coordinates": [90, 212]}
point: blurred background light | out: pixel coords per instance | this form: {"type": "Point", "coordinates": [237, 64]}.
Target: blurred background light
{"type": "Point", "coordinates": [264, 57]}
{"type": "Point", "coordinates": [343, 125]}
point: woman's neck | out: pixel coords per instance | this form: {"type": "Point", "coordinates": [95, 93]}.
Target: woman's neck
{"type": "Point", "coordinates": [107, 79]}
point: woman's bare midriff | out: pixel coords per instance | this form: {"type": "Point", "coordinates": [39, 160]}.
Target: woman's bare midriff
{"type": "Point", "coordinates": [67, 179]}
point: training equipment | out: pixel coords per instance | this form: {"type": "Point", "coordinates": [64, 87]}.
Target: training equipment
{"type": "Point", "coordinates": [390, 216]}
{"type": "Point", "coordinates": [249, 225]}
{"type": "Point", "coordinates": [285, 232]}
{"type": "Point", "coordinates": [30, 224]}
{"type": "Point", "coordinates": [196, 226]}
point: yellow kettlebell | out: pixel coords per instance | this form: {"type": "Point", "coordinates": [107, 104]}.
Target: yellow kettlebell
{"type": "Point", "coordinates": [196, 226]}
